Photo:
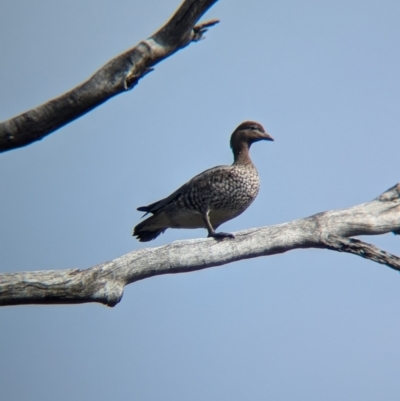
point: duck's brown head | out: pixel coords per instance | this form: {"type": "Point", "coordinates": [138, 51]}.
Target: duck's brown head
{"type": "Point", "coordinates": [244, 135]}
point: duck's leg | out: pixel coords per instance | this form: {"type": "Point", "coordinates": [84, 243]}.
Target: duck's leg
{"type": "Point", "coordinates": [211, 231]}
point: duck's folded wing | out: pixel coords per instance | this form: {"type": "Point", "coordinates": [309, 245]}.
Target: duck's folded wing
{"type": "Point", "coordinates": [197, 180]}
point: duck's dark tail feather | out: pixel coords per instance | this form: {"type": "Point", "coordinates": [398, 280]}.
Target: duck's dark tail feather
{"type": "Point", "coordinates": [144, 209]}
{"type": "Point", "coordinates": [149, 208]}
{"type": "Point", "coordinates": [145, 234]}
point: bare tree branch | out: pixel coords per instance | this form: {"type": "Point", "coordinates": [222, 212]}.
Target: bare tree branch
{"type": "Point", "coordinates": [119, 75]}
{"type": "Point", "coordinates": [105, 283]}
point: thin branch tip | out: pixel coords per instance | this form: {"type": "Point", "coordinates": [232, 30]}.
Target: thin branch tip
{"type": "Point", "coordinates": [206, 24]}
{"type": "Point", "coordinates": [200, 29]}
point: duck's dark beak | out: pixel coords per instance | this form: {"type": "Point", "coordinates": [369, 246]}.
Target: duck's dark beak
{"type": "Point", "coordinates": [267, 137]}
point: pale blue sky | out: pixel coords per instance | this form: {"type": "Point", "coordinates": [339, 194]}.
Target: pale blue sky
{"type": "Point", "coordinates": [323, 79]}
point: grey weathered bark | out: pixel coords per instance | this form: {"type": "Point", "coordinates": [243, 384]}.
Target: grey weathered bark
{"type": "Point", "coordinates": [105, 283]}
{"type": "Point", "coordinates": [119, 75]}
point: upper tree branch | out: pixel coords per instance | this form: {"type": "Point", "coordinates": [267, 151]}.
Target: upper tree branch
{"type": "Point", "coordinates": [118, 75]}
{"type": "Point", "coordinates": [105, 283]}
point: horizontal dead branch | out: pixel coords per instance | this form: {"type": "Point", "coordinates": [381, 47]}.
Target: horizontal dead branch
{"type": "Point", "coordinates": [105, 283]}
{"type": "Point", "coordinates": [118, 75]}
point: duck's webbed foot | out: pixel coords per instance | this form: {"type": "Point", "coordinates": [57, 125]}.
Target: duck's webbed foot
{"type": "Point", "coordinates": [211, 231]}
{"type": "Point", "coordinates": [221, 235]}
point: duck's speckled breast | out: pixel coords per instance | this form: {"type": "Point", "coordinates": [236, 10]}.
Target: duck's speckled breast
{"type": "Point", "coordinates": [236, 194]}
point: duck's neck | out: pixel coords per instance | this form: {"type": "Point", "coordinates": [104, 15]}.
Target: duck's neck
{"type": "Point", "coordinates": [241, 154]}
